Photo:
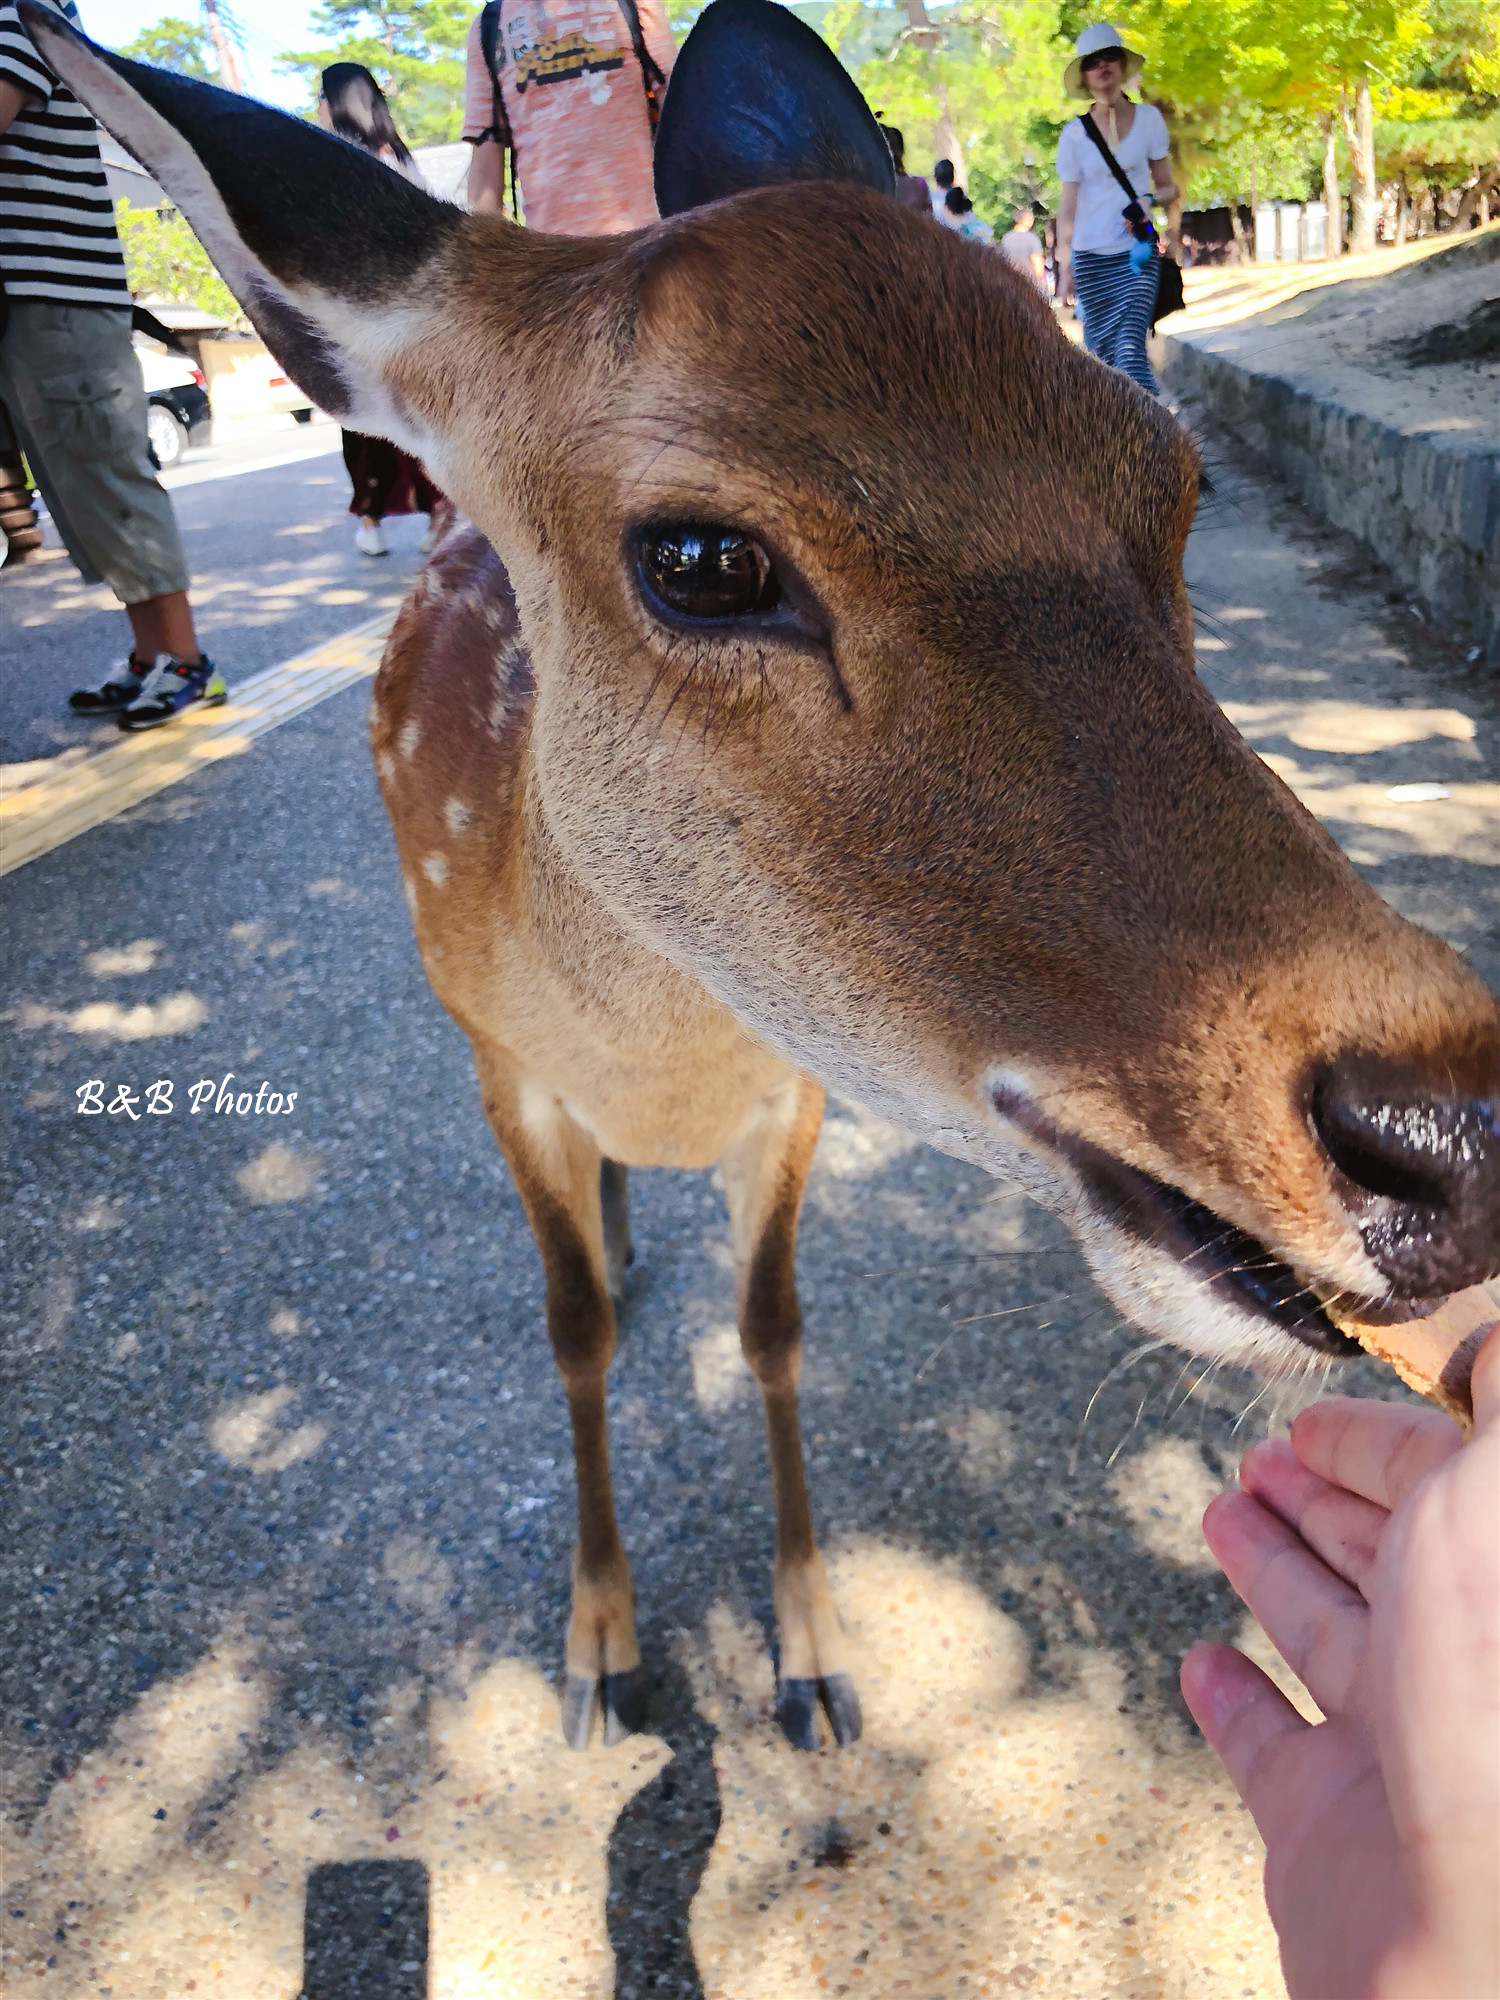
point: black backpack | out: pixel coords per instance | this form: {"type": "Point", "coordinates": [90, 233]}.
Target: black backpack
{"type": "Point", "coordinates": [652, 77]}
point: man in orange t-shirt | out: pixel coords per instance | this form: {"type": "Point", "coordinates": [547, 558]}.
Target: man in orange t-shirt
{"type": "Point", "coordinates": [574, 98]}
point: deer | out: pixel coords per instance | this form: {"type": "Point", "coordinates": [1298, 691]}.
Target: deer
{"type": "Point", "coordinates": [807, 700]}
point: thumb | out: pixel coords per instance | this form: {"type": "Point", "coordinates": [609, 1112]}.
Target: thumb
{"type": "Point", "coordinates": [1484, 1383]}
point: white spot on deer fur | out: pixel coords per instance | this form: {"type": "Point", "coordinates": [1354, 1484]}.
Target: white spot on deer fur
{"type": "Point", "coordinates": [385, 764]}
{"type": "Point", "coordinates": [457, 815]}
{"type": "Point", "coordinates": [411, 893]}
{"type": "Point", "coordinates": [435, 868]}
{"type": "Point", "coordinates": [410, 737]}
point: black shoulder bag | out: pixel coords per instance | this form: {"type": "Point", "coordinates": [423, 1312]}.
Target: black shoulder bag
{"type": "Point", "coordinates": [1169, 296]}
{"type": "Point", "coordinates": [653, 79]}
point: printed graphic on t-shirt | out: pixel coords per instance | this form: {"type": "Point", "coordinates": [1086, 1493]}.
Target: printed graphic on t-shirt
{"type": "Point", "coordinates": [559, 58]}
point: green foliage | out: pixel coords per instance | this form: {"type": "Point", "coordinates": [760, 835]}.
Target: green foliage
{"type": "Point", "coordinates": [1443, 152]}
{"type": "Point", "coordinates": [993, 71]}
{"type": "Point", "coordinates": [174, 44]}
{"type": "Point", "coordinates": [414, 51]}
{"type": "Point", "coordinates": [1247, 83]}
{"type": "Point", "coordinates": [165, 260]}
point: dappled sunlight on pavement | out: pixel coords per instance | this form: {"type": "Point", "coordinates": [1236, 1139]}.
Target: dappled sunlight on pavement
{"type": "Point", "coordinates": [168, 1863]}
{"type": "Point", "coordinates": [981, 1839]}
{"type": "Point", "coordinates": [1379, 723]}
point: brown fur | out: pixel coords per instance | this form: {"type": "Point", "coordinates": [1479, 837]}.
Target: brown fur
{"type": "Point", "coordinates": [994, 825]}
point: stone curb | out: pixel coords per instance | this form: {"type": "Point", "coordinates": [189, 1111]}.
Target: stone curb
{"type": "Point", "coordinates": [1426, 503]}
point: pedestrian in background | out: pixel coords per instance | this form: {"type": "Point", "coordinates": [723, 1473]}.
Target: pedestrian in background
{"type": "Point", "coordinates": [384, 479]}
{"type": "Point", "coordinates": [1099, 246]}
{"type": "Point", "coordinates": [958, 213]}
{"type": "Point", "coordinates": [71, 382]}
{"type": "Point", "coordinates": [911, 190]}
{"type": "Point", "coordinates": [1021, 246]}
{"type": "Point", "coordinates": [568, 92]}
{"type": "Point", "coordinates": [942, 184]}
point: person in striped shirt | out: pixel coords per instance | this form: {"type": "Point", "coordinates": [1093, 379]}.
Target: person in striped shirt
{"type": "Point", "coordinates": [73, 387]}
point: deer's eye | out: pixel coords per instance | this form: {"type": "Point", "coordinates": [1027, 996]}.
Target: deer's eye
{"type": "Point", "coordinates": [706, 573]}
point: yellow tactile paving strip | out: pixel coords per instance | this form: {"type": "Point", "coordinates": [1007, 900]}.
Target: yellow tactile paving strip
{"type": "Point", "coordinates": [70, 794]}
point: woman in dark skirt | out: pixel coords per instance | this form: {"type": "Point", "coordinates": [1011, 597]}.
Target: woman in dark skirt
{"type": "Point", "coordinates": [385, 479]}
{"type": "Point", "coordinates": [1100, 260]}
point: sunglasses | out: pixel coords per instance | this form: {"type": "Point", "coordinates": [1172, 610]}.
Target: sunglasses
{"type": "Point", "coordinates": [1103, 56]}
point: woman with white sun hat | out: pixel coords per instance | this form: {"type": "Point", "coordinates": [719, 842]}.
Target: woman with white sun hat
{"type": "Point", "coordinates": [1105, 253]}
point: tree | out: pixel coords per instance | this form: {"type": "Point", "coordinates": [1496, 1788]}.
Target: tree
{"type": "Point", "coordinates": [165, 260]}
{"type": "Point", "coordinates": [1306, 61]}
{"type": "Point", "coordinates": [173, 44]}
{"type": "Point", "coordinates": [413, 48]}
{"type": "Point", "coordinates": [970, 82]}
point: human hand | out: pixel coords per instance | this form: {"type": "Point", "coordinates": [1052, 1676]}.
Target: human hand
{"type": "Point", "coordinates": [1369, 1549]}
{"type": "Point", "coordinates": [1065, 282]}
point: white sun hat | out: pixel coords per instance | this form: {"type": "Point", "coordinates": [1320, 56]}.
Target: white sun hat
{"type": "Point", "coordinates": [1093, 42]}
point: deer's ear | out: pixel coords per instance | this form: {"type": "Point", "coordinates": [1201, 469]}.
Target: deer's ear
{"type": "Point", "coordinates": [321, 244]}
{"type": "Point", "coordinates": [756, 99]}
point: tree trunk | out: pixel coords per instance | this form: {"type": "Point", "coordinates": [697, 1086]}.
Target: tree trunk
{"type": "Point", "coordinates": [1333, 200]}
{"type": "Point", "coordinates": [229, 74]}
{"type": "Point", "coordinates": [945, 137]}
{"type": "Point", "coordinates": [1403, 210]}
{"type": "Point", "coordinates": [1364, 197]}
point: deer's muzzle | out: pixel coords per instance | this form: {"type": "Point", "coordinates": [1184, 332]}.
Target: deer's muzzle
{"type": "Point", "coordinates": [1418, 1172]}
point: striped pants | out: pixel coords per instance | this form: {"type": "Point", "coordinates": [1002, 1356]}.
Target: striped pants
{"type": "Point", "coordinates": [1116, 304]}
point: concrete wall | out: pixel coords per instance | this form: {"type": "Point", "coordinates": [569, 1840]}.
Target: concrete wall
{"type": "Point", "coordinates": [1426, 503]}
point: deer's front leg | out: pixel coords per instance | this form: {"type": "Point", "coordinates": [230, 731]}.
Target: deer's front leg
{"type": "Point", "coordinates": [765, 1172]}
{"type": "Point", "coordinates": [556, 1166]}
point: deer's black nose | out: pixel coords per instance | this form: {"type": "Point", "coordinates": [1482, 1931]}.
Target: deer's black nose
{"type": "Point", "coordinates": [1420, 1173]}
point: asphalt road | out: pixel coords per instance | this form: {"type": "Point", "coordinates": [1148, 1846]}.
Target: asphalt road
{"type": "Point", "coordinates": [286, 1468]}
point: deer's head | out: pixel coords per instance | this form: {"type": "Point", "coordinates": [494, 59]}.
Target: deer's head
{"type": "Point", "coordinates": [865, 685]}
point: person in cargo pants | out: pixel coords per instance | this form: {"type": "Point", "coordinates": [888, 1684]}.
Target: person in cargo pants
{"type": "Point", "coordinates": [70, 380]}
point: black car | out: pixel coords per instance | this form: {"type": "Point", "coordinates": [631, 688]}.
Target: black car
{"type": "Point", "coordinates": [175, 418]}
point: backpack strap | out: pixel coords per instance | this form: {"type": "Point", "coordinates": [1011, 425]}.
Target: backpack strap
{"type": "Point", "coordinates": [653, 77]}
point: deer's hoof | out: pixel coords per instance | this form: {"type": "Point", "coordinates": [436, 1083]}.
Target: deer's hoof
{"type": "Point", "coordinates": [579, 1696]}
{"type": "Point", "coordinates": [624, 1704]}
{"type": "Point", "coordinates": [622, 1697]}
{"type": "Point", "coordinates": [841, 1706]}
{"type": "Point", "coordinates": [797, 1703]}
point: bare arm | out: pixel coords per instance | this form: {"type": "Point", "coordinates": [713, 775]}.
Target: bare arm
{"type": "Point", "coordinates": [12, 103]}
{"type": "Point", "coordinates": [1163, 187]}
{"type": "Point", "coordinates": [1067, 215]}
{"type": "Point", "coordinates": [486, 178]}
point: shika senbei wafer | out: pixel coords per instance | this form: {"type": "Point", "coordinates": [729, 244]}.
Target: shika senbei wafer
{"type": "Point", "coordinates": [1433, 1353]}
{"type": "Point", "coordinates": [813, 702]}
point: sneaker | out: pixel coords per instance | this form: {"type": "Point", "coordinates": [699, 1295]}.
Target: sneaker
{"type": "Point", "coordinates": [370, 541]}
{"type": "Point", "coordinates": [171, 686]}
{"type": "Point", "coordinates": [122, 687]}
